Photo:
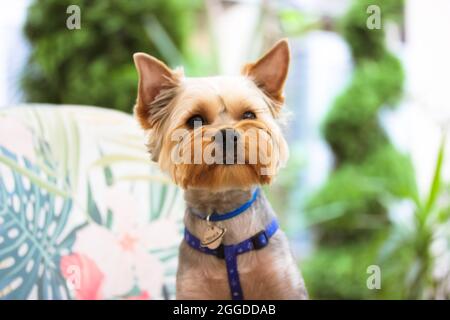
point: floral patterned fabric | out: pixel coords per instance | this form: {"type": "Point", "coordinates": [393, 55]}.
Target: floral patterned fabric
{"type": "Point", "coordinates": [83, 212]}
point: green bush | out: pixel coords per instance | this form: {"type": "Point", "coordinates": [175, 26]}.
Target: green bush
{"type": "Point", "coordinates": [352, 128]}
{"type": "Point", "coordinates": [345, 277]}
{"type": "Point", "coordinates": [365, 43]}
{"type": "Point", "coordinates": [351, 205]}
{"type": "Point", "coordinates": [94, 65]}
{"type": "Point", "coordinates": [347, 208]}
{"type": "Point", "coordinates": [341, 272]}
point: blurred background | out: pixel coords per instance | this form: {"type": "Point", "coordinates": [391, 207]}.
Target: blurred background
{"type": "Point", "coordinates": [368, 178]}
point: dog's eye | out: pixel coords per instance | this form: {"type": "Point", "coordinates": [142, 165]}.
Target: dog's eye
{"type": "Point", "coordinates": [195, 121]}
{"type": "Point", "coordinates": [248, 115]}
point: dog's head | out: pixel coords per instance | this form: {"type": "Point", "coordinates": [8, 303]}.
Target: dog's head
{"type": "Point", "coordinates": [215, 132]}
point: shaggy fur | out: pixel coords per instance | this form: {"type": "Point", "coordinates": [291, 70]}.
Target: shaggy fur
{"type": "Point", "coordinates": [166, 101]}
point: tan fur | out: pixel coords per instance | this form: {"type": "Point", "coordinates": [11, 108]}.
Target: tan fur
{"type": "Point", "coordinates": [270, 71]}
{"type": "Point", "coordinates": [222, 100]}
{"type": "Point", "coordinates": [166, 100]}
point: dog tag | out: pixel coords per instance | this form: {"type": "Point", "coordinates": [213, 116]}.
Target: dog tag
{"type": "Point", "coordinates": [212, 238]}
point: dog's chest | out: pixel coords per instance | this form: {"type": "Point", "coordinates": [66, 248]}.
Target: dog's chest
{"type": "Point", "coordinates": [269, 273]}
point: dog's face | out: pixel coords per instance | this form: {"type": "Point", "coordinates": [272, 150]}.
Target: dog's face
{"type": "Point", "coordinates": [215, 132]}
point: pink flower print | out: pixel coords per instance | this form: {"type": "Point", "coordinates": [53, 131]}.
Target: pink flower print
{"type": "Point", "coordinates": [84, 275]}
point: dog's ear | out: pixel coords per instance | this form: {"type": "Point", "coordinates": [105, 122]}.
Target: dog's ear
{"type": "Point", "coordinates": [154, 76]}
{"type": "Point", "coordinates": [270, 71]}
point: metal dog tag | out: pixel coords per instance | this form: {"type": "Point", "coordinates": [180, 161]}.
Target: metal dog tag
{"type": "Point", "coordinates": [212, 238]}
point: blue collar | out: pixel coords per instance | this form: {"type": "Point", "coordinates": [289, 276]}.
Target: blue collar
{"type": "Point", "coordinates": [230, 253]}
{"type": "Point", "coordinates": [231, 214]}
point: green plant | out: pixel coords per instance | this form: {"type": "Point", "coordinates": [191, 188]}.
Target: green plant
{"type": "Point", "coordinates": [94, 65]}
{"type": "Point", "coordinates": [428, 217]}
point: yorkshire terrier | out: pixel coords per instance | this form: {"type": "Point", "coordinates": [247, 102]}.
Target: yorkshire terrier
{"type": "Point", "coordinates": [219, 138]}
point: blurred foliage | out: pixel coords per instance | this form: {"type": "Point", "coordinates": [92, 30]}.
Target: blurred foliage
{"type": "Point", "coordinates": [369, 44]}
{"type": "Point", "coordinates": [296, 23]}
{"type": "Point", "coordinates": [350, 212]}
{"type": "Point", "coordinates": [94, 65]}
{"type": "Point", "coordinates": [341, 272]}
{"type": "Point", "coordinates": [352, 128]}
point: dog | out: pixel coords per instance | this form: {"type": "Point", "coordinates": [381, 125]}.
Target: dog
{"type": "Point", "coordinates": [219, 138]}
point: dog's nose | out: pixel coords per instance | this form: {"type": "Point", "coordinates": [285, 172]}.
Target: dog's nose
{"type": "Point", "coordinates": [229, 138]}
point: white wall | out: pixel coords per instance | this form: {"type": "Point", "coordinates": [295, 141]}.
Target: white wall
{"type": "Point", "coordinates": [417, 126]}
{"type": "Point", "coordinates": [13, 49]}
